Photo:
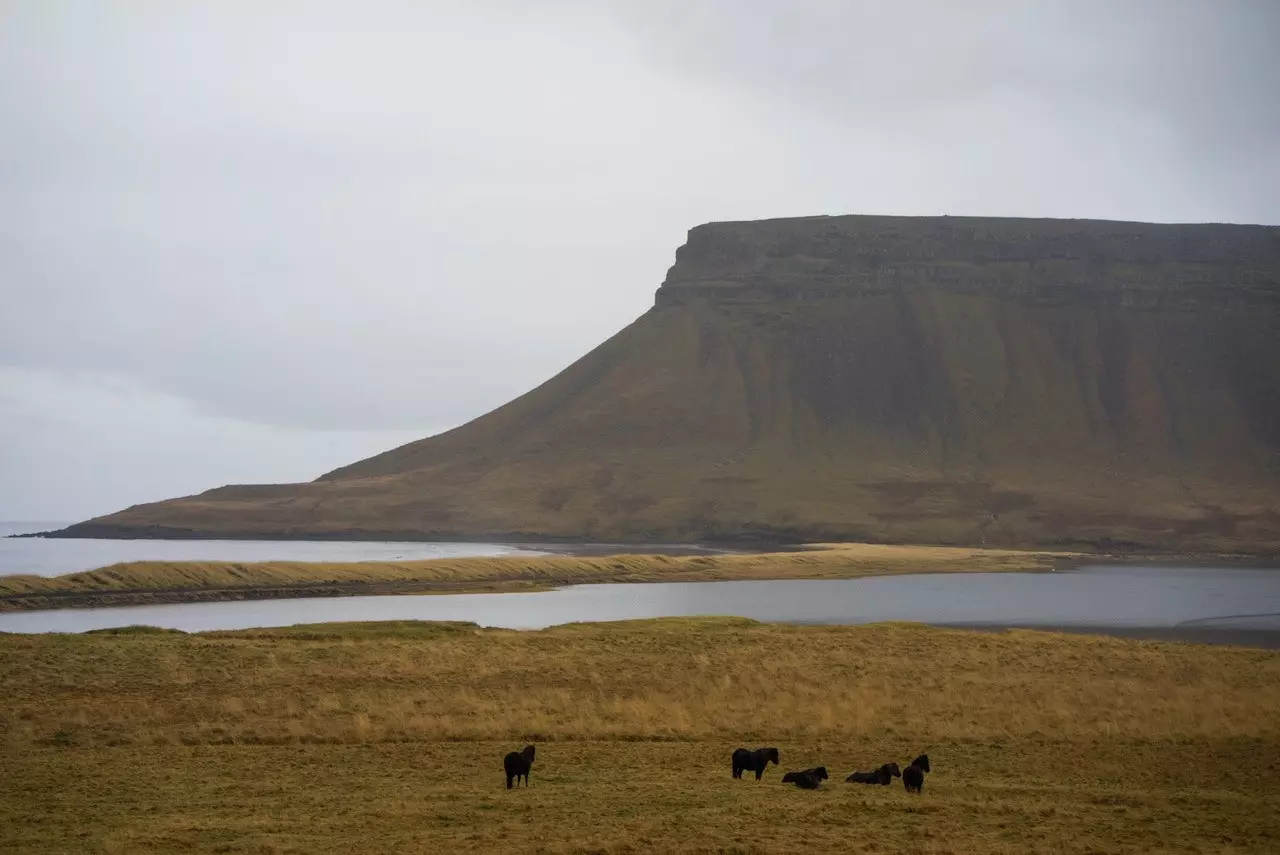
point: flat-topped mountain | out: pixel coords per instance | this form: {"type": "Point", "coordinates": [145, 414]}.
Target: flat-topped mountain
{"type": "Point", "coordinates": [1069, 262]}
{"type": "Point", "coordinates": [941, 380]}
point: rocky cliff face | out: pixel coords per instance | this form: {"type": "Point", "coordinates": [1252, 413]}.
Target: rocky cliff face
{"type": "Point", "coordinates": [1037, 262]}
{"type": "Point", "coordinates": [943, 380]}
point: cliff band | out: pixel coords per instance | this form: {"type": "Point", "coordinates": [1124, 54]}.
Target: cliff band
{"type": "Point", "coordinates": [948, 380]}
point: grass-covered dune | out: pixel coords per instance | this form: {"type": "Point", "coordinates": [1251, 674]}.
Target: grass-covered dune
{"type": "Point", "coordinates": [163, 581]}
{"type": "Point", "coordinates": [389, 738]}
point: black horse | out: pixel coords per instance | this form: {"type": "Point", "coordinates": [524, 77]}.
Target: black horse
{"type": "Point", "coordinates": [753, 761]}
{"type": "Point", "coordinates": [803, 780]}
{"type": "Point", "coordinates": [913, 775]}
{"type": "Point", "coordinates": [884, 775]}
{"type": "Point", "coordinates": [816, 774]}
{"type": "Point", "coordinates": [518, 764]}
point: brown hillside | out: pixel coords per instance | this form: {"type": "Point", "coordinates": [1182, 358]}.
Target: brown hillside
{"type": "Point", "coordinates": [943, 380]}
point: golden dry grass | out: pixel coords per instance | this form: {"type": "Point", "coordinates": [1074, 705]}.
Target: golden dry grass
{"type": "Point", "coordinates": [388, 737]}
{"type": "Point", "coordinates": [470, 574]}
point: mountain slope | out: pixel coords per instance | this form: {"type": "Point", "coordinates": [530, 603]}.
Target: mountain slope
{"type": "Point", "coordinates": [945, 380]}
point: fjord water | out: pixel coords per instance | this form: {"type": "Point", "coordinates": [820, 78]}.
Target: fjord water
{"type": "Point", "coordinates": [55, 556]}
{"type": "Point", "coordinates": [1191, 600]}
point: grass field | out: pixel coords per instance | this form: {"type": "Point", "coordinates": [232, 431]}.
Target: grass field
{"type": "Point", "coordinates": [389, 737]}
{"type": "Point", "coordinates": [159, 581]}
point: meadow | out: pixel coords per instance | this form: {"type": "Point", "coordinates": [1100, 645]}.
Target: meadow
{"type": "Point", "coordinates": [389, 738]}
{"type": "Point", "coordinates": [142, 582]}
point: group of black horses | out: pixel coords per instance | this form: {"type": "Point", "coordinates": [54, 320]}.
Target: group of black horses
{"type": "Point", "coordinates": [810, 779]}
{"type": "Point", "coordinates": [518, 763]}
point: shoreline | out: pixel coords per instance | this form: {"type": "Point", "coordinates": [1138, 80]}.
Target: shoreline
{"type": "Point", "coordinates": [137, 584]}
{"type": "Point", "coordinates": [1256, 639]}
{"type": "Point", "coordinates": [56, 600]}
{"type": "Point", "coordinates": [1084, 552]}
{"type": "Point", "coordinates": [570, 544]}
{"type": "Point", "coordinates": [156, 583]}
{"type": "Point", "coordinates": [1264, 639]}
{"type": "Point", "coordinates": [778, 542]}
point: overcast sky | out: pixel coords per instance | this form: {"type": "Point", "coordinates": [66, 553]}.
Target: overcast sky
{"type": "Point", "coordinates": [252, 241]}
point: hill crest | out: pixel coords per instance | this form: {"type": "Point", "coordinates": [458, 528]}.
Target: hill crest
{"type": "Point", "coordinates": [1047, 261]}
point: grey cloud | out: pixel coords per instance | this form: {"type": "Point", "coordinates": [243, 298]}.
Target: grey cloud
{"type": "Point", "coordinates": [1208, 68]}
{"type": "Point", "coordinates": [1183, 89]}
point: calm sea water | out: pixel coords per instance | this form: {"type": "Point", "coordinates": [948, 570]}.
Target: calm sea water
{"type": "Point", "coordinates": [55, 556]}
{"type": "Point", "coordinates": [1125, 597]}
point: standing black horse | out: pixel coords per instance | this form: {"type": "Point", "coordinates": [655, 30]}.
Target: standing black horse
{"type": "Point", "coordinates": [518, 765]}
{"type": "Point", "coordinates": [753, 761]}
{"type": "Point", "coordinates": [913, 775]}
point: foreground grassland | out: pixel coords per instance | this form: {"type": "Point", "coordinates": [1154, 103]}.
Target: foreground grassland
{"type": "Point", "coordinates": [389, 737]}
{"type": "Point", "coordinates": [144, 582]}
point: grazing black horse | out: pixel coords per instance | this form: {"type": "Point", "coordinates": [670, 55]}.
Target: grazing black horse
{"type": "Point", "coordinates": [753, 761]}
{"type": "Point", "coordinates": [913, 775]}
{"type": "Point", "coordinates": [517, 765]}
{"type": "Point", "coordinates": [815, 775]}
{"type": "Point", "coordinates": [884, 775]}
